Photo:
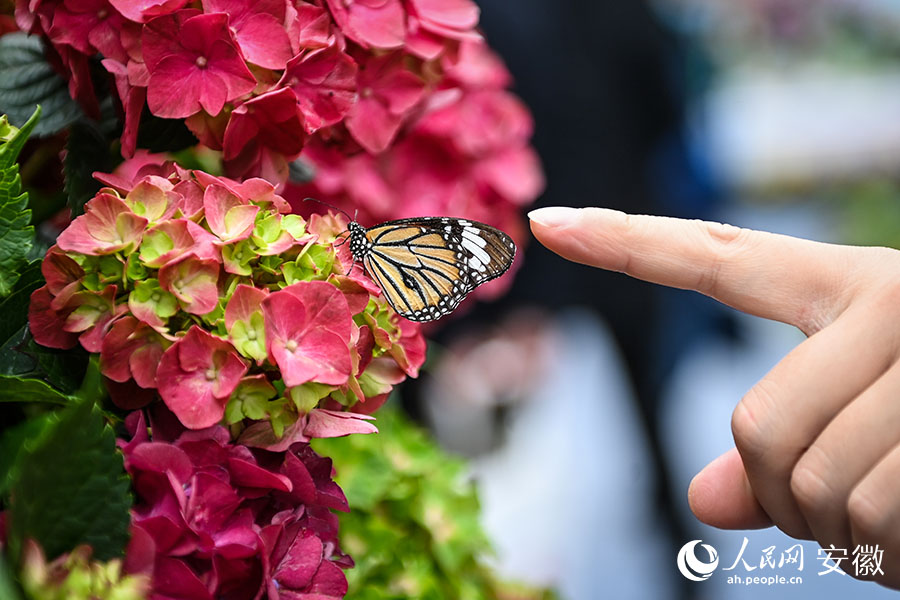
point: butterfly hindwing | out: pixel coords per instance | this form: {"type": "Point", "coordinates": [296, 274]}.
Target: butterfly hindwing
{"type": "Point", "coordinates": [426, 266]}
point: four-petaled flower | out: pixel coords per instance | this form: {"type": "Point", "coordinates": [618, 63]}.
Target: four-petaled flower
{"type": "Point", "coordinates": [196, 375]}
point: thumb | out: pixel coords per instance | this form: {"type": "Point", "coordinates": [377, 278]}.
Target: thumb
{"type": "Point", "coordinates": [720, 495]}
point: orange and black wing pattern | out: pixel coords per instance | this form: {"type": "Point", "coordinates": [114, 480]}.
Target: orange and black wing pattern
{"type": "Point", "coordinates": [426, 266]}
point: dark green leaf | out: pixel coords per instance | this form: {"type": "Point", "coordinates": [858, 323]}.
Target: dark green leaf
{"type": "Point", "coordinates": [16, 231]}
{"type": "Point", "coordinates": [87, 150]}
{"type": "Point", "coordinates": [69, 487]}
{"type": "Point", "coordinates": [27, 79]}
{"type": "Point", "coordinates": [15, 389]}
{"type": "Point", "coordinates": [22, 357]}
{"type": "Point", "coordinates": [14, 307]}
{"type": "Point", "coordinates": [12, 444]}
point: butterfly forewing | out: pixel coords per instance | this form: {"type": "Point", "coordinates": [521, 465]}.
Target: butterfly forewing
{"type": "Point", "coordinates": [426, 266]}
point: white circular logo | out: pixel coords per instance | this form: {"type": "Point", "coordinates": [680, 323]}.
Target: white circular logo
{"type": "Point", "coordinates": [691, 566]}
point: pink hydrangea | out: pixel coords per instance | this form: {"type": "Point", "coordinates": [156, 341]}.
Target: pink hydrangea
{"type": "Point", "coordinates": [204, 291]}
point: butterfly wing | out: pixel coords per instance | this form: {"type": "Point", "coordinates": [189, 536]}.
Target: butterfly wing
{"type": "Point", "coordinates": [427, 266]}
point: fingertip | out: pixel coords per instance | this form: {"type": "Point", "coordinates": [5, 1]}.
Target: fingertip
{"type": "Point", "coordinates": [555, 216]}
{"type": "Point", "coordinates": [720, 495]}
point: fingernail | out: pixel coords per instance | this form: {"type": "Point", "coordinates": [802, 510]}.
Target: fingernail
{"type": "Point", "coordinates": [554, 216]}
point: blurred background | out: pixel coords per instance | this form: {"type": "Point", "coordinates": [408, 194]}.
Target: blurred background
{"type": "Point", "coordinates": [587, 400]}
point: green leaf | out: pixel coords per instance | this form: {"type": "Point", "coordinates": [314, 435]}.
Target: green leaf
{"type": "Point", "coordinates": [15, 389]}
{"type": "Point", "coordinates": [14, 307]}
{"type": "Point", "coordinates": [69, 487]}
{"type": "Point", "coordinates": [12, 444]}
{"type": "Point", "coordinates": [16, 231]}
{"type": "Point", "coordinates": [88, 150]}
{"type": "Point", "coordinates": [27, 79]}
{"type": "Point", "coordinates": [22, 357]}
{"type": "Point", "coordinates": [8, 588]}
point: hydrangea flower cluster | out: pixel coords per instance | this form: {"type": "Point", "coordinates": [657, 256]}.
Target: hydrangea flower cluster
{"type": "Point", "coordinates": [464, 151]}
{"type": "Point", "coordinates": [268, 72]}
{"type": "Point", "coordinates": [214, 519]}
{"type": "Point", "coordinates": [399, 105]}
{"type": "Point", "coordinates": [204, 291]}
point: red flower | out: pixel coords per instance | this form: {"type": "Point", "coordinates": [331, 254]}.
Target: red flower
{"type": "Point", "coordinates": [144, 10]}
{"type": "Point", "coordinates": [194, 65]}
{"type": "Point", "coordinates": [132, 350]}
{"type": "Point", "coordinates": [217, 520]}
{"type": "Point", "coordinates": [432, 22]}
{"type": "Point", "coordinates": [89, 26]}
{"type": "Point", "coordinates": [324, 82]}
{"type": "Point", "coordinates": [308, 328]}
{"type": "Point", "coordinates": [375, 23]}
{"type": "Point", "coordinates": [263, 134]}
{"type": "Point", "coordinates": [196, 376]}
{"type": "Point", "coordinates": [388, 92]}
{"type": "Point", "coordinates": [258, 27]}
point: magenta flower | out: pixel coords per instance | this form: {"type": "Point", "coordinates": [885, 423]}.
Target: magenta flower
{"type": "Point", "coordinates": [89, 26]}
{"type": "Point", "coordinates": [308, 328]}
{"type": "Point", "coordinates": [258, 27]}
{"type": "Point", "coordinates": [144, 10]}
{"type": "Point", "coordinates": [324, 82]}
{"type": "Point", "coordinates": [432, 23]}
{"type": "Point", "coordinates": [311, 28]}
{"type": "Point", "coordinates": [217, 520]}
{"type": "Point", "coordinates": [196, 375]}
{"type": "Point", "coordinates": [107, 226]}
{"type": "Point", "coordinates": [371, 23]}
{"type": "Point", "coordinates": [450, 18]}
{"type": "Point", "coordinates": [133, 98]}
{"type": "Point", "coordinates": [193, 66]}
{"type": "Point", "coordinates": [388, 92]}
{"type": "Point", "coordinates": [263, 134]}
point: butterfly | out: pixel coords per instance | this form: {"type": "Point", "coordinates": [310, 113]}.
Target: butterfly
{"type": "Point", "coordinates": [426, 266]}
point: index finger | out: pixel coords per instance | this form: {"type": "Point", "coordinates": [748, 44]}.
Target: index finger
{"type": "Point", "coordinates": [800, 282]}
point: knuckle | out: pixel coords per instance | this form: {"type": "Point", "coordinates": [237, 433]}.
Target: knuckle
{"type": "Point", "coordinates": [751, 432]}
{"type": "Point", "coordinates": [725, 242]}
{"type": "Point", "coordinates": [868, 519]}
{"type": "Point", "coordinates": [809, 485]}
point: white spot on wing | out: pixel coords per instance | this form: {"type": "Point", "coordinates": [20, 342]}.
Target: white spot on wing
{"type": "Point", "coordinates": [476, 250]}
{"type": "Point", "coordinates": [470, 233]}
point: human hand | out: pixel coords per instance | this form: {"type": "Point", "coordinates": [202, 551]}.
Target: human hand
{"type": "Point", "coordinates": [818, 438]}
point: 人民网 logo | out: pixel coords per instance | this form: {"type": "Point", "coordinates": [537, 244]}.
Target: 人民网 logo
{"type": "Point", "coordinates": [691, 566]}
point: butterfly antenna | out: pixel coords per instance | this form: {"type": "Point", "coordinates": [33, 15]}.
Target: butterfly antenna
{"type": "Point", "coordinates": [340, 210]}
{"type": "Point", "coordinates": [343, 240]}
